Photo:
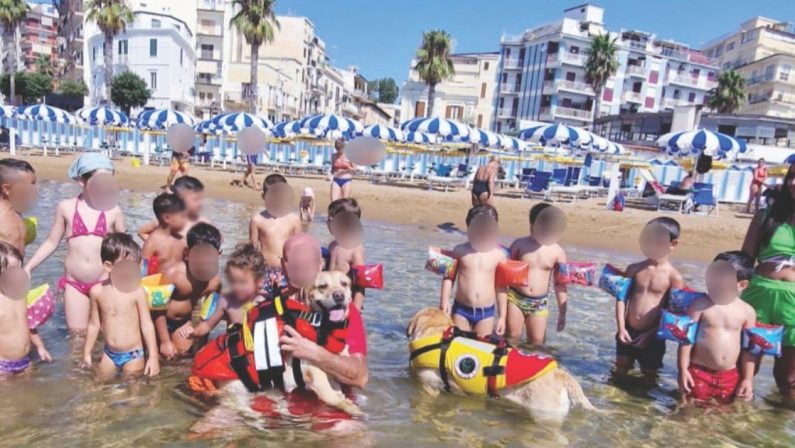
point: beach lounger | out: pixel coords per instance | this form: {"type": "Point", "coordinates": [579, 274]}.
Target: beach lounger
{"type": "Point", "coordinates": [705, 200]}
{"type": "Point", "coordinates": [570, 193]}
{"type": "Point", "coordinates": [539, 186]}
{"type": "Point", "coordinates": [443, 176]}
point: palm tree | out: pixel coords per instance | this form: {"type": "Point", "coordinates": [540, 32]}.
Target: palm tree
{"type": "Point", "coordinates": [44, 65]}
{"type": "Point", "coordinates": [257, 22]}
{"type": "Point", "coordinates": [12, 14]}
{"type": "Point", "coordinates": [729, 94]}
{"type": "Point", "coordinates": [433, 61]}
{"type": "Point", "coordinates": [111, 16]}
{"type": "Point", "coordinates": [601, 64]}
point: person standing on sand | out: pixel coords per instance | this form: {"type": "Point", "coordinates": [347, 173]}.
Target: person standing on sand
{"type": "Point", "coordinates": [770, 240]}
{"type": "Point", "coordinates": [755, 195]}
{"type": "Point", "coordinates": [483, 184]}
{"type": "Point", "coordinates": [341, 172]}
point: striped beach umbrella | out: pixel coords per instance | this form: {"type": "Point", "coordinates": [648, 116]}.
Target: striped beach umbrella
{"type": "Point", "coordinates": [44, 112]}
{"type": "Point", "coordinates": [556, 134]}
{"type": "Point", "coordinates": [511, 143]}
{"type": "Point", "coordinates": [287, 128]}
{"type": "Point", "coordinates": [102, 115]}
{"type": "Point", "coordinates": [162, 118]}
{"type": "Point", "coordinates": [383, 133]}
{"type": "Point", "coordinates": [234, 122]}
{"type": "Point", "coordinates": [483, 138]}
{"type": "Point", "coordinates": [440, 127]}
{"type": "Point", "coordinates": [602, 145]}
{"type": "Point", "coordinates": [324, 123]}
{"type": "Point", "coordinates": [7, 111]}
{"type": "Point", "coordinates": [417, 138]}
{"type": "Point", "coordinates": [701, 141]}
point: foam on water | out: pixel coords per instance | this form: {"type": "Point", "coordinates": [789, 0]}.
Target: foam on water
{"type": "Point", "coordinates": [62, 404]}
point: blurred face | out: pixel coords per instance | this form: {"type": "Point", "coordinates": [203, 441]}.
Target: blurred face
{"type": "Point", "coordinates": [346, 229]}
{"type": "Point", "coordinates": [176, 221]}
{"type": "Point", "coordinates": [279, 199]}
{"type": "Point", "coordinates": [482, 233]}
{"type": "Point", "coordinates": [194, 201]}
{"type": "Point", "coordinates": [655, 242]}
{"type": "Point", "coordinates": [549, 225]}
{"type": "Point", "coordinates": [101, 190]}
{"type": "Point", "coordinates": [244, 284]}
{"type": "Point", "coordinates": [302, 264]}
{"type": "Point", "coordinates": [14, 281]}
{"type": "Point", "coordinates": [125, 275]}
{"type": "Point", "coordinates": [760, 163]}
{"type": "Point", "coordinates": [339, 146]}
{"type": "Point", "coordinates": [722, 284]}
{"type": "Point", "coordinates": [21, 192]}
{"type": "Point", "coordinates": [202, 262]}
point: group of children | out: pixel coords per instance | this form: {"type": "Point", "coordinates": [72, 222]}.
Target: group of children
{"type": "Point", "coordinates": [715, 366]}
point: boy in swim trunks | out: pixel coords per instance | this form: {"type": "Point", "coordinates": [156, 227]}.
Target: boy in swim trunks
{"type": "Point", "coordinates": [17, 190]}
{"type": "Point", "coordinates": [528, 306]}
{"type": "Point", "coordinates": [639, 317]}
{"type": "Point", "coordinates": [191, 191]}
{"type": "Point", "coordinates": [119, 308]}
{"type": "Point", "coordinates": [269, 229]}
{"type": "Point", "coordinates": [17, 336]}
{"type": "Point", "coordinates": [476, 296]}
{"type": "Point", "coordinates": [167, 242]}
{"type": "Point", "coordinates": [708, 368]}
{"type": "Point", "coordinates": [346, 250]}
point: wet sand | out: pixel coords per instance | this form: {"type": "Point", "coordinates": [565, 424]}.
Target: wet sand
{"type": "Point", "coordinates": [589, 223]}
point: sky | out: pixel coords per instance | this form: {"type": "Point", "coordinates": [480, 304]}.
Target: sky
{"type": "Point", "coordinates": [380, 37]}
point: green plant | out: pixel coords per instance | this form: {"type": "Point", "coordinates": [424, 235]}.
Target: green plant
{"type": "Point", "coordinates": [129, 90]}
{"type": "Point", "coordinates": [729, 94]}
{"type": "Point", "coordinates": [433, 61]}
{"type": "Point", "coordinates": [31, 87]}
{"type": "Point", "coordinates": [601, 64]}
{"type": "Point", "coordinates": [69, 87]}
{"type": "Point", "coordinates": [44, 64]}
{"type": "Point", "coordinates": [12, 13]}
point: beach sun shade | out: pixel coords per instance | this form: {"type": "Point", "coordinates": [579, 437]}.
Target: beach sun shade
{"type": "Point", "coordinates": [701, 141]}
{"type": "Point", "coordinates": [102, 115]}
{"type": "Point", "coordinates": [511, 143]}
{"type": "Point", "coordinates": [162, 118]}
{"type": "Point", "coordinates": [440, 127]}
{"type": "Point", "coordinates": [482, 137]}
{"type": "Point", "coordinates": [287, 128]}
{"type": "Point", "coordinates": [234, 122]}
{"type": "Point", "coordinates": [556, 135]}
{"type": "Point", "coordinates": [7, 111]}
{"type": "Point", "coordinates": [322, 124]}
{"type": "Point", "coordinates": [417, 138]}
{"type": "Point", "coordinates": [602, 145]}
{"type": "Point", "coordinates": [383, 133]}
{"type": "Point", "coordinates": [45, 113]}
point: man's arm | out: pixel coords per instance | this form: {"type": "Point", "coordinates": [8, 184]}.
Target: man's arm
{"type": "Point", "coordinates": [350, 370]}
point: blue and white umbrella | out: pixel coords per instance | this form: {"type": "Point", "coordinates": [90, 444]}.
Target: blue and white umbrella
{"type": "Point", "coordinates": [417, 138]}
{"type": "Point", "coordinates": [337, 124]}
{"type": "Point", "coordinates": [701, 141]}
{"type": "Point", "coordinates": [234, 122]}
{"type": "Point", "coordinates": [102, 115]}
{"type": "Point", "coordinates": [556, 135]}
{"type": "Point", "coordinates": [602, 145]}
{"type": "Point", "coordinates": [483, 138]}
{"type": "Point", "coordinates": [287, 128]}
{"type": "Point", "coordinates": [162, 118]}
{"type": "Point", "coordinates": [44, 112]}
{"type": "Point", "coordinates": [441, 127]}
{"type": "Point", "coordinates": [511, 143]}
{"type": "Point", "coordinates": [382, 132]}
{"type": "Point", "coordinates": [7, 111]}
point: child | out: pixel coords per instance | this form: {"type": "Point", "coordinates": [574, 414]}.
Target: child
{"type": "Point", "coordinates": [167, 243]}
{"type": "Point", "coordinates": [346, 250]}
{"type": "Point", "coordinates": [474, 305]}
{"type": "Point", "coordinates": [191, 191]}
{"type": "Point", "coordinates": [194, 278]}
{"type": "Point", "coordinates": [86, 219]}
{"type": "Point", "coordinates": [17, 194]}
{"type": "Point", "coordinates": [307, 206]}
{"type": "Point", "coordinates": [244, 272]}
{"type": "Point", "coordinates": [639, 316]}
{"type": "Point", "coordinates": [708, 368]}
{"type": "Point", "coordinates": [528, 306]}
{"type": "Point", "coordinates": [119, 307]}
{"type": "Point", "coordinates": [268, 232]}
{"type": "Point", "coordinates": [17, 337]}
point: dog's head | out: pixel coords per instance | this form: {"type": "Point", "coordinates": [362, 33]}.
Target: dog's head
{"type": "Point", "coordinates": [331, 294]}
{"type": "Point", "coordinates": [426, 322]}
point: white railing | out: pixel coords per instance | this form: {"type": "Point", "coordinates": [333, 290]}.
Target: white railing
{"type": "Point", "coordinates": [512, 63]}
{"type": "Point", "coordinates": [673, 102]}
{"type": "Point", "coordinates": [509, 88]}
{"type": "Point", "coordinates": [210, 30]}
{"type": "Point", "coordinates": [576, 113]}
{"type": "Point", "coordinates": [549, 86]}
{"type": "Point", "coordinates": [635, 97]}
{"type": "Point", "coordinates": [573, 58]}
{"type": "Point", "coordinates": [688, 80]}
{"type": "Point", "coordinates": [506, 112]}
{"type": "Point", "coordinates": [575, 86]}
{"type": "Point", "coordinates": [636, 70]}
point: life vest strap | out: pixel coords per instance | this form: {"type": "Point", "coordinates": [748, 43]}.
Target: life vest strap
{"type": "Point", "coordinates": [238, 360]}
{"type": "Point", "coordinates": [495, 369]}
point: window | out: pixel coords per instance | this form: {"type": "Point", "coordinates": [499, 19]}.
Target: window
{"type": "Point", "coordinates": [153, 80]}
{"type": "Point", "coordinates": [419, 109]}
{"type": "Point", "coordinates": [571, 76]}
{"type": "Point", "coordinates": [608, 95]}
{"type": "Point", "coordinates": [783, 74]}
{"type": "Point", "coordinates": [480, 119]}
{"type": "Point", "coordinates": [730, 46]}
{"type": "Point", "coordinates": [483, 90]}
{"type": "Point", "coordinates": [152, 47]}
{"type": "Point", "coordinates": [180, 56]}
{"type": "Point", "coordinates": [654, 76]}
{"type": "Point", "coordinates": [691, 97]}
{"type": "Point", "coordinates": [770, 72]}
{"type": "Point", "coordinates": [207, 51]}
{"type": "Point", "coordinates": [676, 94]}
{"type": "Point", "coordinates": [123, 47]}
{"type": "Point", "coordinates": [93, 54]}
{"type": "Point", "coordinates": [454, 112]}
{"type": "Point", "coordinates": [156, 23]}
{"type": "Point", "coordinates": [574, 50]}
{"type": "Point", "coordinates": [507, 53]}
{"type": "Point", "coordinates": [649, 103]}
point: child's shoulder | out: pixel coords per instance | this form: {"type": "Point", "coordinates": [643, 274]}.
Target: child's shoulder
{"type": "Point", "coordinates": [634, 268]}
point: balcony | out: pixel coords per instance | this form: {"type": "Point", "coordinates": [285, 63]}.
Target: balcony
{"type": "Point", "coordinates": [670, 103]}
{"type": "Point", "coordinates": [208, 79]}
{"type": "Point", "coordinates": [758, 80]}
{"type": "Point", "coordinates": [509, 89]}
{"type": "Point", "coordinates": [690, 81]}
{"type": "Point", "coordinates": [211, 5]}
{"type": "Point", "coordinates": [573, 58]}
{"type": "Point", "coordinates": [574, 86]}
{"type": "Point", "coordinates": [636, 70]}
{"type": "Point", "coordinates": [512, 64]}
{"type": "Point", "coordinates": [506, 112]}
{"type": "Point", "coordinates": [633, 97]}
{"type": "Point", "coordinates": [568, 112]}
{"type": "Point", "coordinates": [545, 113]}
{"type": "Point", "coordinates": [214, 31]}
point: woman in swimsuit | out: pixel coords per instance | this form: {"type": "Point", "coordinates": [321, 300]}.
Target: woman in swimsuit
{"type": "Point", "coordinates": [341, 172]}
{"type": "Point", "coordinates": [771, 241]}
{"type": "Point", "coordinates": [85, 227]}
{"type": "Point", "coordinates": [755, 195]}
{"type": "Point", "coordinates": [483, 184]}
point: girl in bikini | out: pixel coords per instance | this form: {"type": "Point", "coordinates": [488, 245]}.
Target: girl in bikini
{"type": "Point", "coordinates": [85, 220]}
{"type": "Point", "coordinates": [341, 172]}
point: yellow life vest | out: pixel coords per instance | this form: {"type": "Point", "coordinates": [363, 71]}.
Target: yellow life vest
{"type": "Point", "coordinates": [477, 367]}
{"type": "Point", "coordinates": [31, 226]}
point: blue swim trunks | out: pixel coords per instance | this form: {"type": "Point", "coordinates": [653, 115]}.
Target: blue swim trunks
{"type": "Point", "coordinates": [119, 359]}
{"type": "Point", "coordinates": [473, 314]}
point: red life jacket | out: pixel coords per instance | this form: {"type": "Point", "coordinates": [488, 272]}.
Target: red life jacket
{"type": "Point", "coordinates": [251, 353]}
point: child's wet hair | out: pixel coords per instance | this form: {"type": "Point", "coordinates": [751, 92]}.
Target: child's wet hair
{"type": "Point", "coordinates": [7, 253]}
{"type": "Point", "coordinates": [742, 263]}
{"type": "Point", "coordinates": [350, 205]}
{"type": "Point", "coordinates": [670, 224]}
{"type": "Point", "coordinates": [119, 246]}
{"type": "Point", "coordinates": [203, 233]}
{"type": "Point", "coordinates": [187, 183]}
{"type": "Point", "coordinates": [248, 258]}
{"type": "Point", "coordinates": [10, 167]}
{"type": "Point", "coordinates": [480, 210]}
{"type": "Point", "coordinates": [271, 179]}
{"type": "Point", "coordinates": [167, 203]}
{"type": "Point", "coordinates": [536, 210]}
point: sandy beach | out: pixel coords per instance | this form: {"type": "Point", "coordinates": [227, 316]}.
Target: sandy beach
{"type": "Point", "coordinates": [589, 223]}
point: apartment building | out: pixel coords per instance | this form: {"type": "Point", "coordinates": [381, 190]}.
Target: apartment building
{"type": "Point", "coordinates": [541, 73]}
{"type": "Point", "coordinates": [39, 36]}
{"type": "Point", "coordinates": [212, 24]}
{"type": "Point", "coordinates": [468, 96]}
{"type": "Point", "coordinates": [70, 39]}
{"type": "Point", "coordinates": [763, 51]}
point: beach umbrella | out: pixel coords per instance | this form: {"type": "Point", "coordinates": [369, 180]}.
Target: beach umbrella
{"type": "Point", "coordinates": [7, 111]}
{"type": "Point", "coordinates": [324, 123]}
{"type": "Point", "coordinates": [382, 132]}
{"type": "Point", "coordinates": [483, 138]}
{"type": "Point", "coordinates": [44, 112]}
{"type": "Point", "coordinates": [162, 118]}
{"type": "Point", "coordinates": [556, 135]}
{"type": "Point", "coordinates": [602, 145]}
{"type": "Point", "coordinates": [440, 127]}
{"type": "Point", "coordinates": [417, 137]}
{"type": "Point", "coordinates": [701, 141]}
{"type": "Point", "coordinates": [287, 128]}
{"type": "Point", "coordinates": [102, 115]}
{"type": "Point", "coordinates": [511, 143]}
{"type": "Point", "coordinates": [234, 122]}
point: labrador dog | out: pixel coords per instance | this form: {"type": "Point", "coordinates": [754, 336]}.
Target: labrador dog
{"type": "Point", "coordinates": [547, 398]}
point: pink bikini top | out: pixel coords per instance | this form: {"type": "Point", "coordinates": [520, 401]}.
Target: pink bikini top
{"type": "Point", "coordinates": [79, 226]}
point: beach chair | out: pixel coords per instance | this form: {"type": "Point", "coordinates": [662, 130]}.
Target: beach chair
{"type": "Point", "coordinates": [705, 199]}
{"type": "Point", "coordinates": [443, 176]}
{"type": "Point", "coordinates": [559, 175]}
{"type": "Point", "coordinates": [539, 185]}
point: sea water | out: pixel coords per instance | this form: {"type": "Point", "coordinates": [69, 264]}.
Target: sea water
{"type": "Point", "coordinates": [62, 405]}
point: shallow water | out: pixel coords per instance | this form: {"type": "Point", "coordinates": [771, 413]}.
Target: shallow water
{"type": "Point", "coordinates": [61, 404]}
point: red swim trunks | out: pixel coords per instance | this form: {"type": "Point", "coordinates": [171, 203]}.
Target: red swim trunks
{"type": "Point", "coordinates": [710, 383]}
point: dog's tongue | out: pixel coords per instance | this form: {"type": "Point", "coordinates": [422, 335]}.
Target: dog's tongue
{"type": "Point", "coordinates": [337, 315]}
